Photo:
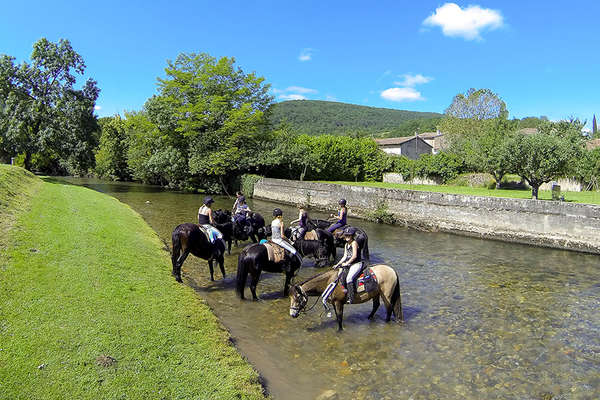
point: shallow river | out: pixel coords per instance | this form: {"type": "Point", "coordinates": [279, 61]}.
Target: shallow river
{"type": "Point", "coordinates": [483, 319]}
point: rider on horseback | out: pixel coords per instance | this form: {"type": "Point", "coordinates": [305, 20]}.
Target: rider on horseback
{"type": "Point", "coordinates": [341, 217]}
{"type": "Point", "coordinates": [240, 216]}
{"type": "Point", "coordinates": [351, 261]}
{"type": "Point", "coordinates": [277, 235]}
{"type": "Point", "coordinates": [205, 219]}
{"type": "Point", "coordinates": [302, 221]}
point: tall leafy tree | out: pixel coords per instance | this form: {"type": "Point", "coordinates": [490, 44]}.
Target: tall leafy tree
{"type": "Point", "coordinates": [477, 104]}
{"type": "Point", "coordinates": [41, 112]}
{"type": "Point", "coordinates": [217, 112]}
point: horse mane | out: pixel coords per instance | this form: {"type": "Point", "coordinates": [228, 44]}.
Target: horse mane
{"type": "Point", "coordinates": [312, 277]}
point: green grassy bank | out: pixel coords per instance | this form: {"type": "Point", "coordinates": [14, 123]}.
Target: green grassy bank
{"type": "Point", "coordinates": [89, 310]}
{"type": "Point", "coordinates": [576, 197]}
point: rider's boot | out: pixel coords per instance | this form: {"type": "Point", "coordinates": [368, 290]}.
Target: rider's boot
{"type": "Point", "coordinates": [350, 294]}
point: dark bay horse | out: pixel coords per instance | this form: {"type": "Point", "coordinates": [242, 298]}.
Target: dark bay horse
{"type": "Point", "coordinates": [255, 230]}
{"type": "Point", "coordinates": [361, 236]}
{"type": "Point", "coordinates": [388, 289]}
{"type": "Point", "coordinates": [188, 238]}
{"type": "Point", "coordinates": [254, 259]}
{"type": "Point", "coordinates": [322, 249]}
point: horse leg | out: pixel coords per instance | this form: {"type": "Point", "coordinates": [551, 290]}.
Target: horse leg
{"type": "Point", "coordinates": [212, 270]}
{"type": "Point", "coordinates": [339, 313]}
{"type": "Point", "coordinates": [180, 262]}
{"type": "Point", "coordinates": [375, 307]}
{"type": "Point", "coordinates": [253, 238]}
{"type": "Point", "coordinates": [229, 246]}
{"type": "Point", "coordinates": [253, 284]}
{"type": "Point", "coordinates": [286, 285]}
{"type": "Point", "coordinates": [222, 265]}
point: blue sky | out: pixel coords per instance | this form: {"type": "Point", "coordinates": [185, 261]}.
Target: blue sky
{"type": "Point", "coordinates": [541, 57]}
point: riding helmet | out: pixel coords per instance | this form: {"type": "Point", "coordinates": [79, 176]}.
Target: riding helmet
{"type": "Point", "coordinates": [277, 212]}
{"type": "Point", "coordinates": [242, 199]}
{"type": "Point", "coordinates": [342, 202]}
{"type": "Point", "coordinates": [208, 200]}
{"type": "Point", "coordinates": [349, 231]}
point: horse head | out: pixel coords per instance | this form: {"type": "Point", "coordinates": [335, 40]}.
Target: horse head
{"type": "Point", "coordinates": [298, 300]}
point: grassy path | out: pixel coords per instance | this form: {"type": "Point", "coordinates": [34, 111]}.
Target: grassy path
{"type": "Point", "coordinates": [576, 197]}
{"type": "Point", "coordinates": [88, 308]}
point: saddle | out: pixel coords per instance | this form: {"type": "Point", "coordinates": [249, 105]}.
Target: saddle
{"type": "Point", "coordinates": [275, 252]}
{"type": "Point", "coordinates": [365, 280]}
{"type": "Point", "coordinates": [311, 235]}
{"type": "Point", "coordinates": [206, 233]}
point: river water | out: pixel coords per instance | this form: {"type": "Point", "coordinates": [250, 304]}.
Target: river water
{"type": "Point", "coordinates": [483, 319]}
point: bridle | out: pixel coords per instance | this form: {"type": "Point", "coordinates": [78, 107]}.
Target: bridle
{"type": "Point", "coordinates": [303, 302]}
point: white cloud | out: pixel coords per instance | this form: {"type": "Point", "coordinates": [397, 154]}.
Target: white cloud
{"type": "Point", "coordinates": [467, 23]}
{"type": "Point", "coordinates": [401, 94]}
{"type": "Point", "coordinates": [292, 96]}
{"type": "Point", "coordinates": [97, 108]}
{"type": "Point", "coordinates": [300, 89]}
{"type": "Point", "coordinates": [306, 54]}
{"type": "Point", "coordinates": [413, 80]}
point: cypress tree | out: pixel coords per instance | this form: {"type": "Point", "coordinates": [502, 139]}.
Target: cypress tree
{"type": "Point", "coordinates": [594, 127]}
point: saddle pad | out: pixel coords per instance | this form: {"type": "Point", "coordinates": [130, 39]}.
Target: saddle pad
{"type": "Point", "coordinates": [275, 252]}
{"type": "Point", "coordinates": [205, 231]}
{"type": "Point", "coordinates": [311, 235]}
{"type": "Point", "coordinates": [367, 281]}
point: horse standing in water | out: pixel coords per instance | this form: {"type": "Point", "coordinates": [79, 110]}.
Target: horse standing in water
{"type": "Point", "coordinates": [254, 259]}
{"type": "Point", "coordinates": [361, 236]}
{"type": "Point", "coordinates": [322, 249]}
{"type": "Point", "coordinates": [189, 238]}
{"type": "Point", "coordinates": [388, 289]}
{"type": "Point", "coordinates": [231, 230]}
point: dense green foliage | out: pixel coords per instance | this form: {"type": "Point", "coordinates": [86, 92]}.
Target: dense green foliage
{"type": "Point", "coordinates": [89, 309]}
{"type": "Point", "coordinates": [42, 116]}
{"type": "Point", "coordinates": [547, 155]}
{"type": "Point", "coordinates": [314, 117]}
{"type": "Point", "coordinates": [247, 182]}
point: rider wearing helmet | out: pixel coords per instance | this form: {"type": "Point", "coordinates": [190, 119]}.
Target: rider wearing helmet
{"type": "Point", "coordinates": [341, 217]}
{"type": "Point", "coordinates": [241, 211]}
{"type": "Point", "coordinates": [238, 194]}
{"type": "Point", "coordinates": [277, 235]}
{"type": "Point", "coordinates": [205, 219]}
{"type": "Point", "coordinates": [351, 260]}
{"type": "Point", "coordinates": [302, 221]}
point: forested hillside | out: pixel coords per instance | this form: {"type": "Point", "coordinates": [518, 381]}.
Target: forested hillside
{"type": "Point", "coordinates": [316, 117]}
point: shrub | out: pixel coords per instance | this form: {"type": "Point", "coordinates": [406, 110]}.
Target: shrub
{"type": "Point", "coordinates": [247, 183]}
{"type": "Point", "coordinates": [381, 214]}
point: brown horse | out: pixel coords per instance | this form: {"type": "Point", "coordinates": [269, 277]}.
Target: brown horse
{"type": "Point", "coordinates": [388, 289]}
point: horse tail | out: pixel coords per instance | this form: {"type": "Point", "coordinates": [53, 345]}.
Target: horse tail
{"type": "Point", "coordinates": [242, 273]}
{"type": "Point", "coordinates": [366, 254]}
{"type": "Point", "coordinates": [396, 300]}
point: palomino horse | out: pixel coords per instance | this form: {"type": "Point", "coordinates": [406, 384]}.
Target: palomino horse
{"type": "Point", "coordinates": [188, 238]}
{"type": "Point", "coordinates": [254, 259]}
{"type": "Point", "coordinates": [321, 249]}
{"type": "Point", "coordinates": [361, 236]}
{"type": "Point", "coordinates": [388, 289]}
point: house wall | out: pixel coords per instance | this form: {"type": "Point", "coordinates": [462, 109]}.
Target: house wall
{"type": "Point", "coordinates": [414, 148]}
{"type": "Point", "coordinates": [544, 223]}
{"type": "Point", "coordinates": [392, 150]}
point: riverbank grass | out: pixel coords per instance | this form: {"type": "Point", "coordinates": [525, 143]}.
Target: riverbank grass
{"type": "Point", "coordinates": [576, 197]}
{"type": "Point", "coordinates": [89, 310]}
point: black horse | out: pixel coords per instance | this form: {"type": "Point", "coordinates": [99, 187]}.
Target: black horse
{"type": "Point", "coordinates": [361, 236]}
{"type": "Point", "coordinates": [253, 230]}
{"type": "Point", "coordinates": [188, 238]}
{"type": "Point", "coordinates": [322, 249]}
{"type": "Point", "coordinates": [254, 259]}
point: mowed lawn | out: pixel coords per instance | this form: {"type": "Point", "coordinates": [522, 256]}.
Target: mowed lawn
{"type": "Point", "coordinates": [589, 197]}
{"type": "Point", "coordinates": [89, 310]}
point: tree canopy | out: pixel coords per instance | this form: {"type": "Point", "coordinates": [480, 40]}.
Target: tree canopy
{"type": "Point", "coordinates": [477, 104]}
{"type": "Point", "coordinates": [42, 115]}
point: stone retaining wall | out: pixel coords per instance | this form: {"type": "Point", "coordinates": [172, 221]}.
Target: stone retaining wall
{"type": "Point", "coordinates": [545, 223]}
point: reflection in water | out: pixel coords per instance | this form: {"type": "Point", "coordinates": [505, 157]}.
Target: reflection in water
{"type": "Point", "coordinates": [484, 319]}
